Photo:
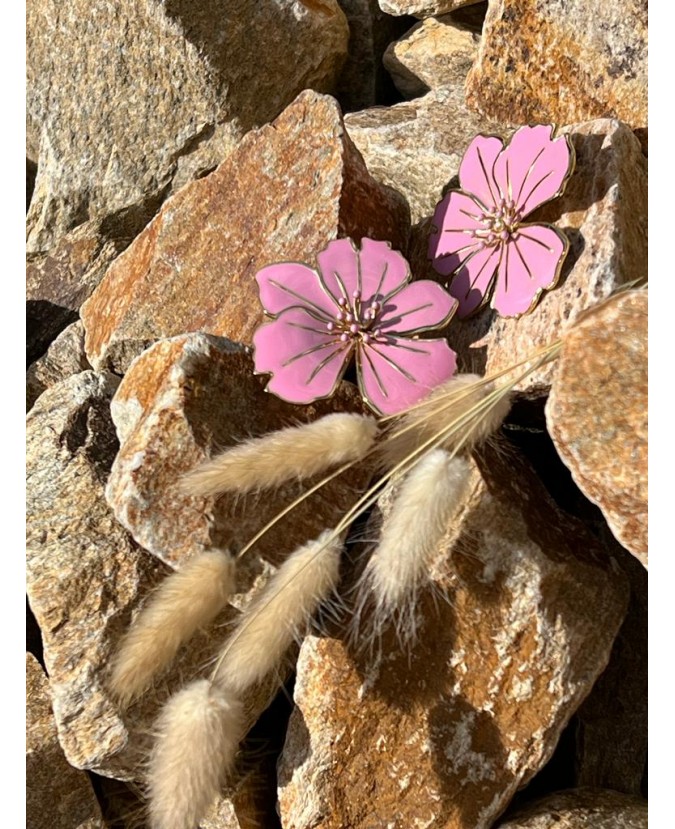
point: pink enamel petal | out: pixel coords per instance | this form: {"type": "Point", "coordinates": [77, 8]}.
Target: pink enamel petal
{"type": "Point", "coordinates": [532, 169]}
{"type": "Point", "coordinates": [475, 171]}
{"type": "Point", "coordinates": [288, 284]}
{"type": "Point", "coordinates": [383, 270]}
{"type": "Point", "coordinates": [402, 372]}
{"type": "Point", "coordinates": [339, 268]}
{"type": "Point", "coordinates": [419, 306]}
{"type": "Point", "coordinates": [456, 215]}
{"type": "Point", "coordinates": [529, 265]}
{"type": "Point", "coordinates": [305, 360]}
{"type": "Point", "coordinates": [472, 281]}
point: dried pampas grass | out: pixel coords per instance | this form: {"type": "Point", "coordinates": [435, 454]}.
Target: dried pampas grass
{"type": "Point", "coordinates": [199, 731]}
{"type": "Point", "coordinates": [279, 613]}
{"type": "Point", "coordinates": [185, 601]}
{"type": "Point", "coordinates": [295, 452]}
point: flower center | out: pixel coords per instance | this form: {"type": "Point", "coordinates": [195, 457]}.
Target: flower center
{"type": "Point", "coordinates": [355, 320]}
{"type": "Point", "coordinates": [499, 225]}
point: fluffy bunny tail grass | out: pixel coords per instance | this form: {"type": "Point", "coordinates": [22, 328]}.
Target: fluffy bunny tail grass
{"type": "Point", "coordinates": [295, 452]}
{"type": "Point", "coordinates": [184, 602]}
{"type": "Point", "coordinates": [462, 399]}
{"type": "Point", "coordinates": [427, 499]}
{"type": "Point", "coordinates": [279, 613]}
{"type": "Point", "coordinates": [198, 735]}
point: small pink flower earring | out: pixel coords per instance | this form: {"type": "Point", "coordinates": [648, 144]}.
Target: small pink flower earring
{"type": "Point", "coordinates": [479, 230]}
{"type": "Point", "coordinates": [356, 303]}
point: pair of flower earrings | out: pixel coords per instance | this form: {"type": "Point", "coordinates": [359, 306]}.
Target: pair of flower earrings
{"type": "Point", "coordinates": [362, 304]}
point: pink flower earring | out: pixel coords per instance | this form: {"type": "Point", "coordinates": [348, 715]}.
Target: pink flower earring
{"type": "Point", "coordinates": [357, 303]}
{"type": "Point", "coordinates": [480, 239]}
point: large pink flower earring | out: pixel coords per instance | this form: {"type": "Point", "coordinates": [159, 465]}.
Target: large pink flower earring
{"type": "Point", "coordinates": [358, 303]}
{"type": "Point", "coordinates": [480, 239]}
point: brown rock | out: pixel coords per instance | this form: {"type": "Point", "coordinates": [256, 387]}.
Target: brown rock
{"type": "Point", "coordinates": [57, 796]}
{"type": "Point", "coordinates": [181, 401]}
{"type": "Point", "coordinates": [133, 99]}
{"type": "Point", "coordinates": [597, 414]}
{"type": "Point", "coordinates": [64, 357]}
{"type": "Point", "coordinates": [582, 809]}
{"type": "Point", "coordinates": [525, 610]}
{"type": "Point", "coordinates": [434, 53]}
{"type": "Point", "coordinates": [287, 190]}
{"type": "Point", "coordinates": [603, 213]}
{"type": "Point", "coordinates": [544, 62]}
{"type": "Point", "coordinates": [422, 8]}
{"type": "Point", "coordinates": [416, 146]}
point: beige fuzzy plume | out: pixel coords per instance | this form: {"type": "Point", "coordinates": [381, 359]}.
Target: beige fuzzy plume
{"type": "Point", "coordinates": [427, 499]}
{"type": "Point", "coordinates": [198, 736]}
{"type": "Point", "coordinates": [184, 602]}
{"type": "Point", "coordinates": [279, 613]}
{"type": "Point", "coordinates": [462, 398]}
{"type": "Point", "coordinates": [294, 452]}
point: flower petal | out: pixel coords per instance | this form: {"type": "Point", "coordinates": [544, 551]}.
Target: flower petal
{"type": "Point", "coordinates": [473, 279]}
{"type": "Point", "coordinates": [383, 270]}
{"type": "Point", "coordinates": [290, 284]}
{"type": "Point", "coordinates": [455, 217]}
{"type": "Point", "coordinates": [306, 361]}
{"type": "Point", "coordinates": [531, 263]}
{"type": "Point", "coordinates": [420, 306]}
{"type": "Point", "coordinates": [398, 374]}
{"type": "Point", "coordinates": [475, 171]}
{"type": "Point", "coordinates": [339, 268]}
{"type": "Point", "coordinates": [533, 168]}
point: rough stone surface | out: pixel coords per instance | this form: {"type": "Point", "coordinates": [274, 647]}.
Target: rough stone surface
{"type": "Point", "coordinates": [416, 146]}
{"type": "Point", "coordinates": [287, 190]}
{"type": "Point", "coordinates": [442, 736]}
{"type": "Point", "coordinates": [434, 53]}
{"type": "Point", "coordinates": [582, 809]}
{"type": "Point", "coordinates": [134, 98]}
{"type": "Point", "coordinates": [422, 8]}
{"type": "Point", "coordinates": [597, 414]}
{"type": "Point", "coordinates": [57, 795]}
{"type": "Point", "coordinates": [603, 213]}
{"type": "Point", "coordinates": [543, 61]}
{"type": "Point", "coordinates": [64, 357]}
{"type": "Point", "coordinates": [182, 400]}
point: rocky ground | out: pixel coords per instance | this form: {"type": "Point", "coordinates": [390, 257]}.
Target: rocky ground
{"type": "Point", "coordinates": [175, 147]}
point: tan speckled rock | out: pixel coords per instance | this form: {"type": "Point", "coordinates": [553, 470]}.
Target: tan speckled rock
{"type": "Point", "coordinates": [287, 190]}
{"type": "Point", "coordinates": [134, 98]}
{"type": "Point", "coordinates": [416, 146]}
{"type": "Point", "coordinates": [57, 795]}
{"type": "Point", "coordinates": [443, 736]}
{"type": "Point", "coordinates": [422, 8]}
{"type": "Point", "coordinates": [180, 401]}
{"type": "Point", "coordinates": [436, 52]}
{"type": "Point", "coordinates": [582, 809]}
{"type": "Point", "coordinates": [64, 357]}
{"type": "Point", "coordinates": [603, 212]}
{"type": "Point", "coordinates": [597, 414]}
{"type": "Point", "coordinates": [543, 61]}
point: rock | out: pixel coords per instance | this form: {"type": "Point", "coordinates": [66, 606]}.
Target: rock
{"type": "Point", "coordinates": [582, 809]}
{"type": "Point", "coordinates": [603, 213]}
{"type": "Point", "coordinates": [134, 99]}
{"type": "Point", "coordinates": [59, 281]}
{"type": "Point", "coordinates": [284, 193]}
{"type": "Point", "coordinates": [57, 796]}
{"type": "Point", "coordinates": [86, 577]}
{"type": "Point", "coordinates": [541, 61]}
{"type": "Point", "coordinates": [363, 80]}
{"type": "Point", "coordinates": [416, 146]}
{"type": "Point", "coordinates": [422, 8]}
{"type": "Point", "coordinates": [597, 414]}
{"type": "Point", "coordinates": [183, 399]}
{"type": "Point", "coordinates": [434, 53]}
{"type": "Point", "coordinates": [64, 357]}
{"type": "Point", "coordinates": [517, 628]}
